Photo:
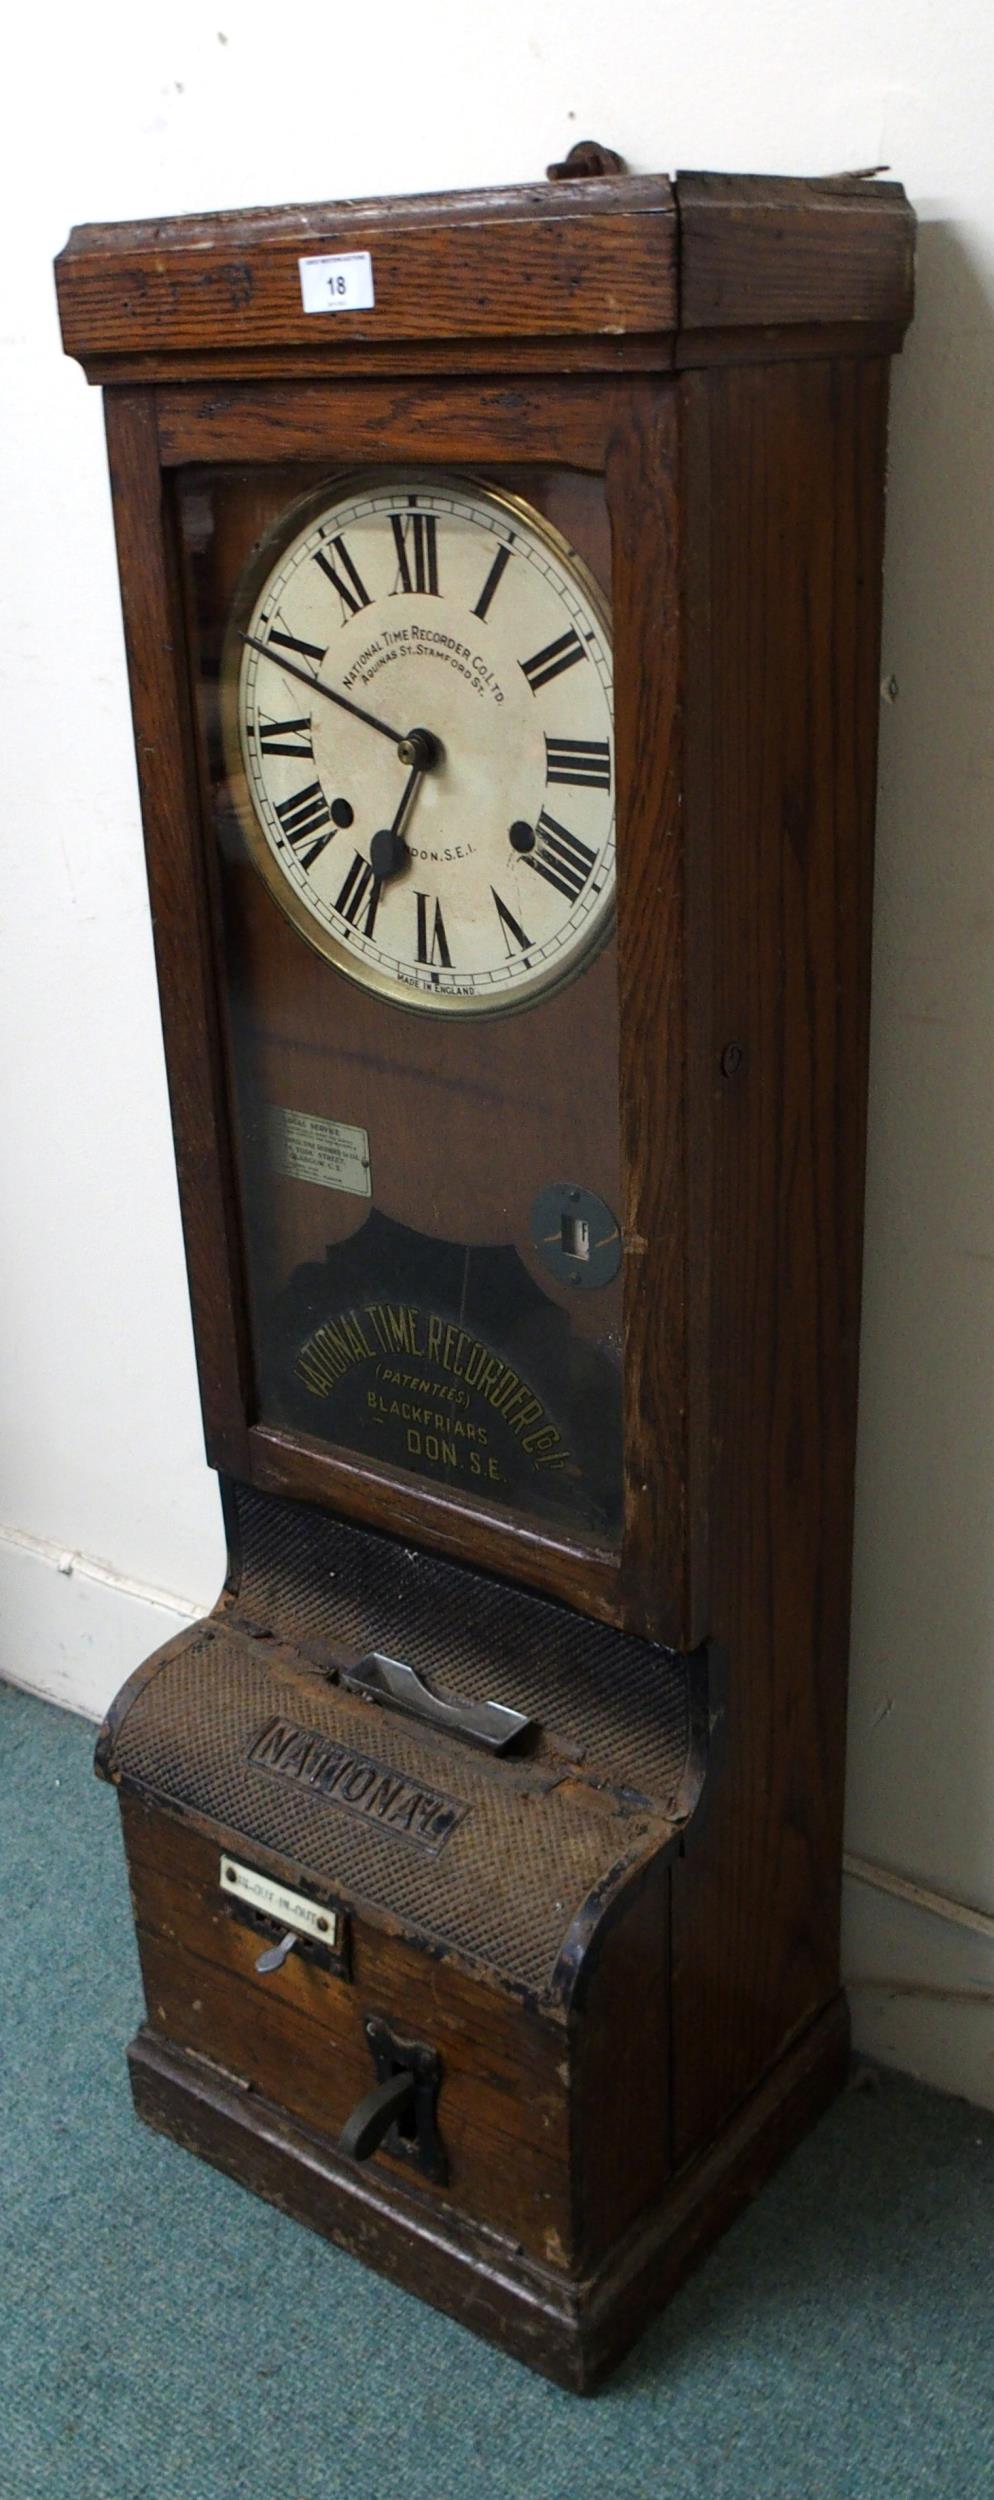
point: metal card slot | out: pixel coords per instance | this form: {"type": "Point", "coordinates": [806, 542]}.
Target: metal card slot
{"type": "Point", "coordinates": [489, 1724]}
{"type": "Point", "coordinates": [261, 1902]}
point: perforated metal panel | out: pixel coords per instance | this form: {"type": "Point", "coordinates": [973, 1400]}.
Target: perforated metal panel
{"type": "Point", "coordinates": [242, 1726]}
{"type": "Point", "coordinates": [507, 1880]}
{"type": "Point", "coordinates": [620, 1706]}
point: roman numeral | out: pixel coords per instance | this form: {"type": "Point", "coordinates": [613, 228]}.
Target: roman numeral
{"type": "Point", "coordinates": [303, 816]}
{"type": "Point", "coordinates": [545, 665]}
{"type": "Point", "coordinates": [584, 762]}
{"type": "Point", "coordinates": [416, 541]}
{"type": "Point", "coordinates": [561, 858]}
{"type": "Point", "coordinates": [285, 737]}
{"type": "Point", "coordinates": [501, 559]}
{"type": "Point", "coordinates": [348, 583]}
{"type": "Point", "coordinates": [433, 949]}
{"type": "Point", "coordinates": [511, 930]}
{"type": "Point", "coordinates": [360, 892]}
{"type": "Point", "coordinates": [290, 642]}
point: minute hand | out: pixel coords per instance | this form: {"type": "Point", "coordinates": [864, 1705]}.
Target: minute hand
{"type": "Point", "coordinates": [290, 669]}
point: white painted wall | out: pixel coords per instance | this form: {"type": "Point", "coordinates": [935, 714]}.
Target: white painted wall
{"type": "Point", "coordinates": [119, 112]}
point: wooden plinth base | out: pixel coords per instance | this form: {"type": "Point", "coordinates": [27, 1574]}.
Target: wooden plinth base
{"type": "Point", "coordinates": [570, 2329]}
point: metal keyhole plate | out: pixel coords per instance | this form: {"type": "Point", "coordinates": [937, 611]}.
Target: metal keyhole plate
{"type": "Point", "coordinates": [576, 1235]}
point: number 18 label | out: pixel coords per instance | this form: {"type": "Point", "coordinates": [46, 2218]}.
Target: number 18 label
{"type": "Point", "coordinates": [337, 282]}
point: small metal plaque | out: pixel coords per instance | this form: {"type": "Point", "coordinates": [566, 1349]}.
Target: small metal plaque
{"type": "Point", "coordinates": [306, 1147]}
{"type": "Point", "coordinates": [576, 1235]}
{"type": "Point", "coordinates": [292, 1909]}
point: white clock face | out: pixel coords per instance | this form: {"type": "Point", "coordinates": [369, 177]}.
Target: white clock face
{"type": "Point", "coordinates": [417, 689]}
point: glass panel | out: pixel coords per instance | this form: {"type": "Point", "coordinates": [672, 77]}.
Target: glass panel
{"type": "Point", "coordinates": [405, 695]}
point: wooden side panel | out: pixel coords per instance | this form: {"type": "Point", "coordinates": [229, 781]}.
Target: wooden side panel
{"type": "Point", "coordinates": [154, 637]}
{"type": "Point", "coordinates": [765, 248]}
{"type": "Point", "coordinates": [664, 1553]}
{"type": "Point", "coordinates": [621, 2088]}
{"type": "Point", "coordinates": [785, 472]}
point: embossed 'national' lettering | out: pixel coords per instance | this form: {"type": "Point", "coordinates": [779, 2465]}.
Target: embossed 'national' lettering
{"type": "Point", "coordinates": [357, 1782]}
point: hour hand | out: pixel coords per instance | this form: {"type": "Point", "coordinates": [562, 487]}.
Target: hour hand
{"type": "Point", "coordinates": [388, 852]}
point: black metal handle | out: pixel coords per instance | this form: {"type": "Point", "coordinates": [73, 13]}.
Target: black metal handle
{"type": "Point", "coordinates": [373, 2118]}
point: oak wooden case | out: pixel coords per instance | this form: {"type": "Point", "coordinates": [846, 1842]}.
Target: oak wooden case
{"type": "Point", "coordinates": [708, 357]}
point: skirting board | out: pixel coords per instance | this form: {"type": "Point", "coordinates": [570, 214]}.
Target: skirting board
{"type": "Point", "coordinates": [921, 1992]}
{"type": "Point", "coordinates": [71, 1630]}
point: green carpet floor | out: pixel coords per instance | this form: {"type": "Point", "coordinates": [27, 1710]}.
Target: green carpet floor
{"type": "Point", "coordinates": [164, 2334]}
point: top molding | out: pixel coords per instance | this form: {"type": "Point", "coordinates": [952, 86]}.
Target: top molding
{"type": "Point", "coordinates": [617, 263]}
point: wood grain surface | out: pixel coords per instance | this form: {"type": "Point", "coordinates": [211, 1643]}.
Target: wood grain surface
{"type": "Point", "coordinates": [604, 267]}
{"type": "Point", "coordinates": [167, 777]}
{"type": "Point", "coordinates": [662, 1121]}
{"type": "Point", "coordinates": [552, 2137]}
{"type": "Point", "coordinates": [344, 422]}
{"type": "Point", "coordinates": [769, 248]}
{"type": "Point", "coordinates": [784, 584]}
{"type": "Point", "coordinates": [543, 260]}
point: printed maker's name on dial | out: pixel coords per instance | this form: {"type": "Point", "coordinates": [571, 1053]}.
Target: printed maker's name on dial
{"type": "Point", "coordinates": [416, 642]}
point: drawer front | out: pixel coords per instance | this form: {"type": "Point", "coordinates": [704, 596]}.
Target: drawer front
{"type": "Point", "coordinates": [297, 2035]}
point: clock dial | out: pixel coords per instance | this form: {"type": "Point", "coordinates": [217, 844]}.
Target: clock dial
{"type": "Point", "coordinates": [418, 723]}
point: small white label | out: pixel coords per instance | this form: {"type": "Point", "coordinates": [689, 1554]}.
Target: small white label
{"type": "Point", "coordinates": [337, 282]}
{"type": "Point", "coordinates": [245, 1883]}
{"type": "Point", "coordinates": [305, 1147]}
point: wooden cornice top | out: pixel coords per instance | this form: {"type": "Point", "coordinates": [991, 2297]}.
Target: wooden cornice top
{"type": "Point", "coordinates": [620, 263]}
